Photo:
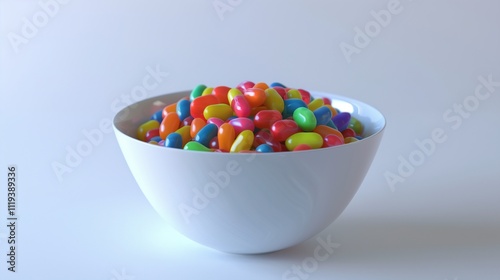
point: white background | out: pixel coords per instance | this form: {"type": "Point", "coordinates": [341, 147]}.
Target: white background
{"type": "Point", "coordinates": [65, 77]}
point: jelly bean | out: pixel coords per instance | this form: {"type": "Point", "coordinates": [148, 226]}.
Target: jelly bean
{"type": "Point", "coordinates": [214, 143]}
{"type": "Point", "coordinates": [197, 91]}
{"type": "Point", "coordinates": [334, 112]}
{"type": "Point", "coordinates": [161, 143]}
{"type": "Point", "coordinates": [152, 133]}
{"type": "Point", "coordinates": [283, 129]}
{"type": "Point", "coordinates": [153, 142]}
{"type": "Point", "coordinates": [305, 95]}
{"type": "Point", "coordinates": [183, 109]}
{"type": "Point", "coordinates": [331, 140]}
{"type": "Point", "coordinates": [226, 136]}
{"type": "Point", "coordinates": [291, 105]}
{"type": "Point", "coordinates": [281, 91]}
{"type": "Point", "coordinates": [266, 118]}
{"type": "Point", "coordinates": [293, 93]}
{"type": "Point", "coordinates": [232, 93]}
{"type": "Point", "coordinates": [196, 125]}
{"type": "Point", "coordinates": [341, 120]}
{"type": "Point", "coordinates": [241, 124]}
{"type": "Point", "coordinates": [169, 124]}
{"type": "Point", "coordinates": [326, 101]}
{"type": "Point", "coordinates": [264, 136]}
{"type": "Point", "coordinates": [261, 85]}
{"type": "Point", "coordinates": [315, 104]}
{"type": "Point", "coordinates": [350, 140]}
{"type": "Point", "coordinates": [245, 85]}
{"type": "Point", "coordinates": [199, 104]}
{"type": "Point", "coordinates": [302, 147]}
{"type": "Point", "coordinates": [255, 110]}
{"type": "Point", "coordinates": [221, 93]}
{"type": "Point", "coordinates": [206, 134]}
{"type": "Point", "coordinates": [195, 146]}
{"type": "Point", "coordinates": [218, 122]}
{"type": "Point", "coordinates": [348, 132]}
{"type": "Point", "coordinates": [312, 139]}
{"type": "Point", "coordinates": [359, 137]}
{"type": "Point", "coordinates": [207, 91]}
{"type": "Point", "coordinates": [221, 111]}
{"type": "Point", "coordinates": [324, 130]}
{"type": "Point", "coordinates": [240, 106]}
{"type": "Point", "coordinates": [243, 141]}
{"type": "Point", "coordinates": [331, 124]}
{"type": "Point", "coordinates": [276, 84]}
{"type": "Point", "coordinates": [187, 121]}
{"type": "Point", "coordinates": [255, 96]}
{"type": "Point", "coordinates": [157, 139]}
{"type": "Point", "coordinates": [356, 125]}
{"type": "Point", "coordinates": [145, 127]}
{"type": "Point", "coordinates": [273, 100]}
{"type": "Point", "coordinates": [323, 115]}
{"type": "Point", "coordinates": [157, 116]}
{"type": "Point", "coordinates": [185, 132]}
{"type": "Point", "coordinates": [169, 109]}
{"type": "Point", "coordinates": [305, 119]}
{"type": "Point", "coordinates": [173, 140]}
{"type": "Point", "coordinates": [264, 148]}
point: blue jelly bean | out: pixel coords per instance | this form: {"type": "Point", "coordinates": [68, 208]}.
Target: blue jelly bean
{"type": "Point", "coordinates": [331, 124]}
{"type": "Point", "coordinates": [157, 116]}
{"type": "Point", "coordinates": [264, 148]}
{"type": "Point", "coordinates": [323, 115]}
{"type": "Point", "coordinates": [156, 138]}
{"type": "Point", "coordinates": [341, 120]}
{"type": "Point", "coordinates": [174, 140]}
{"type": "Point", "coordinates": [358, 137]}
{"type": "Point", "coordinates": [291, 105]}
{"type": "Point", "coordinates": [183, 109]}
{"type": "Point", "coordinates": [276, 84]}
{"type": "Point", "coordinates": [206, 134]}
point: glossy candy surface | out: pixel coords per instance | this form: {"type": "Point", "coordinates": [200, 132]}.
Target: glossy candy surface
{"type": "Point", "coordinates": [249, 117]}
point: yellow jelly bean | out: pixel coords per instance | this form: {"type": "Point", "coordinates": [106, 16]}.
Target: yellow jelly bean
{"type": "Point", "coordinates": [315, 104]}
{"type": "Point", "coordinates": [185, 133]}
{"type": "Point", "coordinates": [293, 93]}
{"type": "Point", "coordinates": [232, 93]}
{"type": "Point", "coordinates": [207, 91]}
{"type": "Point", "coordinates": [350, 140]}
{"type": "Point", "coordinates": [311, 139]}
{"type": "Point", "coordinates": [243, 141]}
{"type": "Point", "coordinates": [274, 100]}
{"type": "Point", "coordinates": [145, 127]}
{"type": "Point", "coordinates": [221, 111]}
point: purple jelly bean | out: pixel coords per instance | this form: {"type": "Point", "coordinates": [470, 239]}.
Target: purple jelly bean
{"type": "Point", "coordinates": [341, 120]}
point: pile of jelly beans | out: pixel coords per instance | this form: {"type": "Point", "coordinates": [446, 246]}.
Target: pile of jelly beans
{"type": "Point", "coordinates": [251, 117]}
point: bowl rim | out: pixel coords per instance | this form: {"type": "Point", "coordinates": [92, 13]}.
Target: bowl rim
{"type": "Point", "coordinates": [349, 100]}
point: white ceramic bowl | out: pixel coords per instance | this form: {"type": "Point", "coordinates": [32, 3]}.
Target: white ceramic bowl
{"type": "Point", "coordinates": [249, 203]}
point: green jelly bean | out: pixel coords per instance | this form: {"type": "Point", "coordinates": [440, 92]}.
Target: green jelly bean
{"type": "Point", "coordinates": [197, 92]}
{"type": "Point", "coordinates": [195, 146]}
{"type": "Point", "coordinates": [305, 119]}
{"type": "Point", "coordinates": [356, 125]}
{"type": "Point", "coordinates": [311, 139]}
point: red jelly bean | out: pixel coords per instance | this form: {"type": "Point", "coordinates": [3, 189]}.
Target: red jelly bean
{"type": "Point", "coordinates": [218, 122]}
{"type": "Point", "coordinates": [187, 121]}
{"type": "Point", "coordinates": [264, 136]}
{"type": "Point", "coordinates": [245, 85]}
{"type": "Point", "coordinates": [302, 147]}
{"type": "Point", "coordinates": [266, 118]}
{"type": "Point", "coordinates": [240, 106]}
{"type": "Point", "coordinates": [306, 96]}
{"type": "Point", "coordinates": [332, 140]}
{"type": "Point", "coordinates": [281, 91]}
{"type": "Point", "coordinates": [152, 133]}
{"type": "Point", "coordinates": [214, 143]}
{"type": "Point", "coordinates": [348, 132]}
{"type": "Point", "coordinates": [221, 93]}
{"type": "Point", "coordinates": [241, 124]}
{"type": "Point", "coordinates": [199, 104]}
{"type": "Point", "coordinates": [326, 101]}
{"type": "Point", "coordinates": [283, 129]}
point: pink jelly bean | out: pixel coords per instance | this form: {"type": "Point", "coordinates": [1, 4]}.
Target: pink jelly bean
{"type": "Point", "coordinates": [241, 124]}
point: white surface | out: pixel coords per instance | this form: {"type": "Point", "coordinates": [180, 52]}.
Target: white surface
{"type": "Point", "coordinates": [442, 222]}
